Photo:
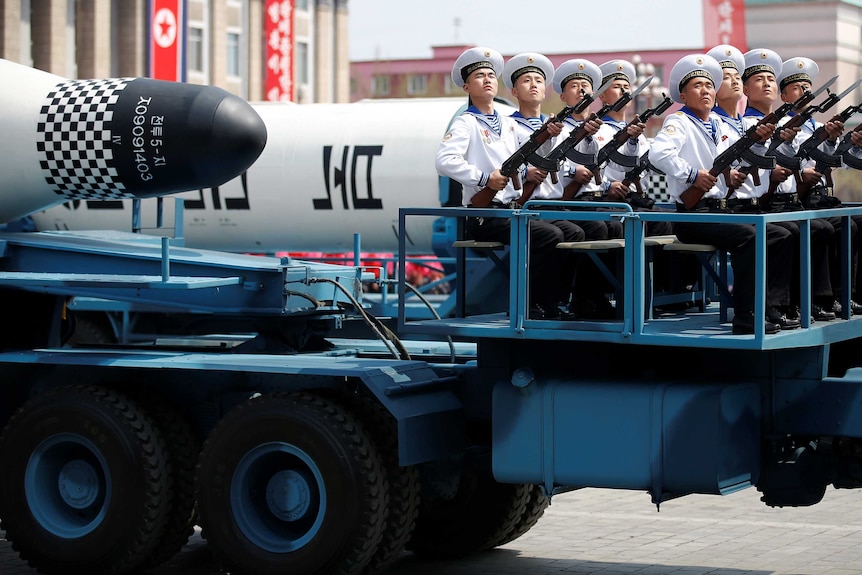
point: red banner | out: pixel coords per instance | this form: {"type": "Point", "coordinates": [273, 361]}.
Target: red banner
{"type": "Point", "coordinates": [167, 39]}
{"type": "Point", "coordinates": [278, 27]}
{"type": "Point", "coordinates": [724, 23]}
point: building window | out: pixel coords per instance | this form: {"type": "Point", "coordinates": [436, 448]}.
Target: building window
{"type": "Point", "coordinates": [417, 84]}
{"type": "Point", "coordinates": [380, 85]}
{"type": "Point", "coordinates": [301, 56]}
{"type": "Point", "coordinates": [195, 56]}
{"type": "Point", "coordinates": [232, 54]}
{"type": "Point", "coordinates": [301, 4]}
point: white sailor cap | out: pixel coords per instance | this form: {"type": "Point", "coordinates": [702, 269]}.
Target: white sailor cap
{"type": "Point", "coordinates": [761, 60]}
{"type": "Point", "coordinates": [576, 68]}
{"type": "Point", "coordinates": [728, 56]}
{"type": "Point", "coordinates": [527, 62]}
{"type": "Point", "coordinates": [797, 69]}
{"type": "Point", "coordinates": [473, 59]}
{"type": "Point", "coordinates": [618, 69]}
{"type": "Point", "coordinates": [693, 66]}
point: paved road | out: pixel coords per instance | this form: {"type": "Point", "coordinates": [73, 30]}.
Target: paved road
{"type": "Point", "coordinates": [606, 532]}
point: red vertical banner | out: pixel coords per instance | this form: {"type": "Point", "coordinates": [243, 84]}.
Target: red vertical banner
{"type": "Point", "coordinates": [167, 39]}
{"type": "Point", "coordinates": [724, 23]}
{"type": "Point", "coordinates": [279, 85]}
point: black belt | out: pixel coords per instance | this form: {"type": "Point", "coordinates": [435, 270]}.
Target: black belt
{"type": "Point", "coordinates": [705, 205]}
{"type": "Point", "coordinates": [513, 205]}
{"type": "Point", "coordinates": [786, 199]}
{"type": "Point", "coordinates": [743, 204]}
{"type": "Point", "coordinates": [589, 196]}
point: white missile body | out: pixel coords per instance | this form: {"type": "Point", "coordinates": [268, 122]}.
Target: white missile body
{"type": "Point", "coordinates": [328, 171]}
{"type": "Point", "coordinates": [109, 139]}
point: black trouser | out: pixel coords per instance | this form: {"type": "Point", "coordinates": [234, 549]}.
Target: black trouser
{"type": "Point", "coordinates": [739, 240]}
{"type": "Point", "coordinates": [835, 252]}
{"type": "Point", "coordinates": [546, 262]}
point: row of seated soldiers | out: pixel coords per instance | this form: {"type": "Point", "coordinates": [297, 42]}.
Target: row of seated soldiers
{"type": "Point", "coordinates": [599, 155]}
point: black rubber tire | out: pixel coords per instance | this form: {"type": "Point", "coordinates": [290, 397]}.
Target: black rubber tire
{"type": "Point", "coordinates": [298, 451]}
{"type": "Point", "coordinates": [535, 507]}
{"type": "Point", "coordinates": [56, 446]}
{"type": "Point", "coordinates": [480, 515]}
{"type": "Point", "coordinates": [86, 331]}
{"type": "Point", "coordinates": [182, 450]}
{"type": "Point", "coordinates": [403, 501]}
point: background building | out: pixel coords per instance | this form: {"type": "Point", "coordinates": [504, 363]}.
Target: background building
{"type": "Point", "coordinates": [225, 42]}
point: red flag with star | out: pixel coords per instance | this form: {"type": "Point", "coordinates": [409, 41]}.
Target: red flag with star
{"type": "Point", "coordinates": [167, 23]}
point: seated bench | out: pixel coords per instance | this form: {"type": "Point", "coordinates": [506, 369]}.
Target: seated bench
{"type": "Point", "coordinates": [705, 254]}
{"type": "Point", "coordinates": [484, 247]}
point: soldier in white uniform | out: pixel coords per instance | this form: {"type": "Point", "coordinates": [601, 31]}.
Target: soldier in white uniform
{"type": "Point", "coordinates": [525, 75]}
{"type": "Point", "coordinates": [572, 79]}
{"type": "Point", "coordinates": [471, 153]}
{"type": "Point", "coordinates": [684, 150]}
{"type": "Point", "coordinates": [760, 84]}
{"type": "Point", "coordinates": [729, 94]}
{"type": "Point", "coordinates": [623, 73]}
{"type": "Point", "coordinates": [798, 75]}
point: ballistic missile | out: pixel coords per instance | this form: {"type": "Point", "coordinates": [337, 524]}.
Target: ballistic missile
{"type": "Point", "coordinates": [328, 171]}
{"type": "Point", "coordinates": [117, 138]}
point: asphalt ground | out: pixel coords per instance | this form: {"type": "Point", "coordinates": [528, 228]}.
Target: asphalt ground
{"type": "Point", "coordinates": [620, 533]}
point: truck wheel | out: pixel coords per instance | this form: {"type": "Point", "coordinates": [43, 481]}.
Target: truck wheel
{"type": "Point", "coordinates": [182, 450]}
{"type": "Point", "coordinates": [291, 483]}
{"type": "Point", "coordinates": [83, 483]}
{"type": "Point", "coordinates": [537, 502]}
{"type": "Point", "coordinates": [403, 484]}
{"type": "Point", "coordinates": [480, 515]}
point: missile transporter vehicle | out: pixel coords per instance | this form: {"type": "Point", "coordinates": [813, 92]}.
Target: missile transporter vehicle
{"type": "Point", "coordinates": [307, 436]}
{"type": "Point", "coordinates": [298, 450]}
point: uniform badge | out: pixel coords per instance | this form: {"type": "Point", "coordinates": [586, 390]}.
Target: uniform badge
{"type": "Point", "coordinates": [447, 137]}
{"type": "Point", "coordinates": [669, 130]}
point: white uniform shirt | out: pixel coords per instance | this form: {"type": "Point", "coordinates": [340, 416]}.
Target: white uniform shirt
{"type": "Point", "coordinates": [472, 149]}
{"type": "Point", "coordinates": [547, 190]}
{"type": "Point", "coordinates": [587, 146]}
{"type": "Point", "coordinates": [612, 171]}
{"type": "Point", "coordinates": [805, 131]}
{"type": "Point", "coordinates": [683, 147]}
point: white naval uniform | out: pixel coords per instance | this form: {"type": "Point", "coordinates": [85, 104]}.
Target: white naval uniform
{"type": "Point", "coordinates": [683, 146]}
{"type": "Point", "coordinates": [587, 146]}
{"type": "Point", "coordinates": [547, 190]}
{"type": "Point", "coordinates": [612, 171]}
{"type": "Point", "coordinates": [472, 149]}
{"type": "Point", "coordinates": [790, 149]}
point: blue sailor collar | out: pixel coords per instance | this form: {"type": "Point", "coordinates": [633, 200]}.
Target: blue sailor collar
{"type": "Point", "coordinates": [702, 124]}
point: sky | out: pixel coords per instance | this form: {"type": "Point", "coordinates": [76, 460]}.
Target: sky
{"type": "Point", "coordinates": [406, 29]}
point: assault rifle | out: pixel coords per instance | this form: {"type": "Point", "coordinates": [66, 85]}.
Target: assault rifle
{"type": "Point", "coordinates": [808, 148]}
{"type": "Point", "coordinates": [610, 150]}
{"type": "Point", "coordinates": [535, 159]}
{"type": "Point", "coordinates": [843, 149]}
{"type": "Point", "coordinates": [566, 148]}
{"type": "Point", "coordinates": [741, 149]}
{"type": "Point", "coordinates": [526, 154]}
{"type": "Point", "coordinates": [639, 198]}
{"type": "Point", "coordinates": [521, 156]}
{"type": "Point", "coordinates": [823, 162]}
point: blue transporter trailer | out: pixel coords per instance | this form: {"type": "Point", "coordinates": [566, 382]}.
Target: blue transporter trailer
{"type": "Point", "coordinates": [301, 452]}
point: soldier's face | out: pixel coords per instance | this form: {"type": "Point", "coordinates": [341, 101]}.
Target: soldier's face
{"type": "Point", "coordinates": [698, 95]}
{"type": "Point", "coordinates": [731, 85]}
{"type": "Point", "coordinates": [529, 88]}
{"type": "Point", "coordinates": [481, 84]}
{"type": "Point", "coordinates": [615, 92]}
{"type": "Point", "coordinates": [794, 91]}
{"type": "Point", "coordinates": [761, 88]}
{"type": "Point", "coordinates": [575, 90]}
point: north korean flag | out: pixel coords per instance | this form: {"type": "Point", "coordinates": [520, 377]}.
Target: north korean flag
{"type": "Point", "coordinates": [167, 23]}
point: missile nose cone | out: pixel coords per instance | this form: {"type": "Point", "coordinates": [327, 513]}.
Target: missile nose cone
{"type": "Point", "coordinates": [116, 138]}
{"type": "Point", "coordinates": [232, 139]}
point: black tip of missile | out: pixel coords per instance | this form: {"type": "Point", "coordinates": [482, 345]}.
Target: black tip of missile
{"type": "Point", "coordinates": [232, 137]}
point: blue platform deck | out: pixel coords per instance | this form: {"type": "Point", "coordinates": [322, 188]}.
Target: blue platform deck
{"type": "Point", "coordinates": [691, 329]}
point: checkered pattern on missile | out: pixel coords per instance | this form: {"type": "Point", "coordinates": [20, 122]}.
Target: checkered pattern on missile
{"type": "Point", "coordinates": [73, 139]}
